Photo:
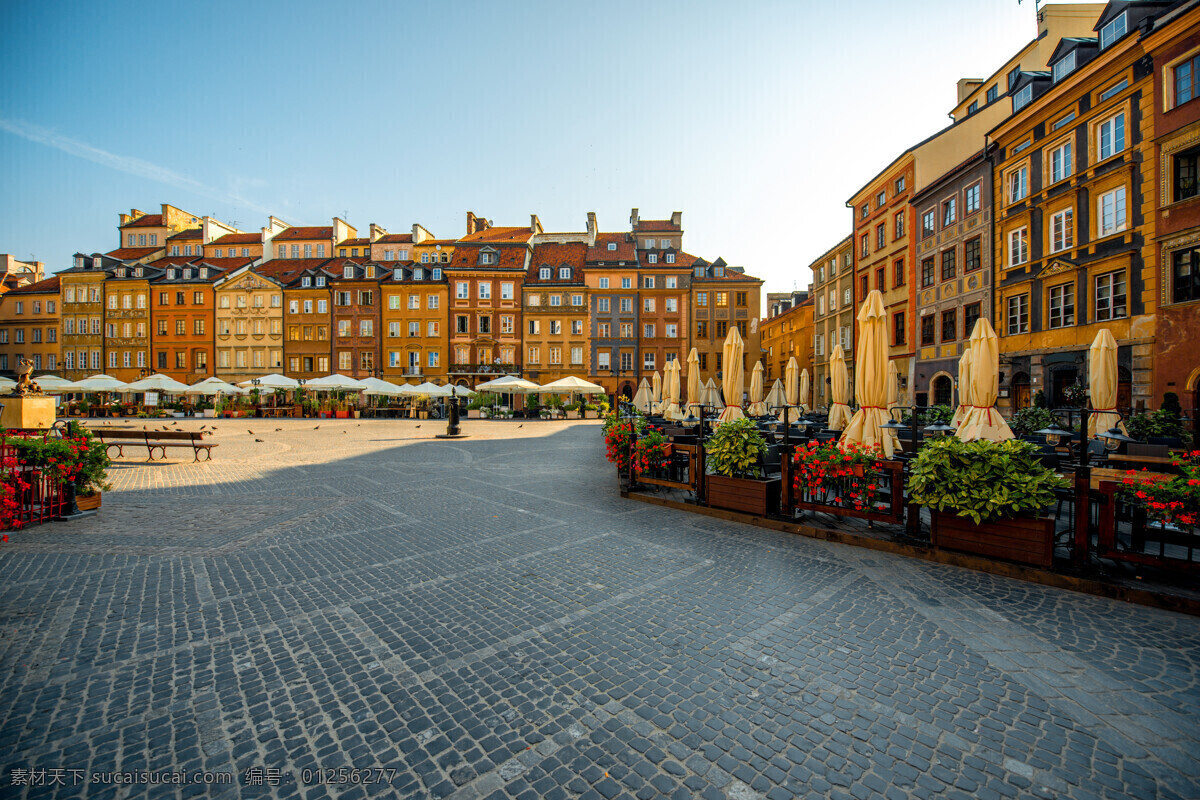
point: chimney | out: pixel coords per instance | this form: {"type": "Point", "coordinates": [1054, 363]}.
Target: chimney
{"type": "Point", "coordinates": [419, 234]}
{"type": "Point", "coordinates": [677, 219]}
{"type": "Point", "coordinates": [966, 86]}
{"type": "Point", "coordinates": [377, 233]}
{"type": "Point", "coordinates": [591, 228]}
{"type": "Point", "coordinates": [470, 222]}
{"type": "Point", "coordinates": [633, 219]}
{"type": "Point", "coordinates": [535, 225]}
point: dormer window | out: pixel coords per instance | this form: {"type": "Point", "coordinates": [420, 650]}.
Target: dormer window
{"type": "Point", "coordinates": [698, 272]}
{"type": "Point", "coordinates": [487, 258]}
{"type": "Point", "coordinates": [652, 258]}
{"type": "Point", "coordinates": [170, 274]}
{"type": "Point", "coordinates": [1023, 97]}
{"type": "Point", "coordinates": [670, 258]}
{"type": "Point", "coordinates": [320, 280]}
{"type": "Point", "coordinates": [204, 272]}
{"type": "Point", "coordinates": [718, 272]}
{"type": "Point", "coordinates": [544, 274]}
{"type": "Point", "coordinates": [397, 274]}
{"type": "Point", "coordinates": [347, 271]}
{"type": "Point", "coordinates": [187, 272]}
{"type": "Point", "coordinates": [305, 282]}
{"type": "Point", "coordinates": [370, 270]}
{"type": "Point", "coordinates": [1064, 66]}
{"type": "Point", "coordinates": [137, 273]}
{"type": "Point", "coordinates": [120, 272]}
{"type": "Point", "coordinates": [418, 274]}
{"type": "Point", "coordinates": [1114, 30]}
{"type": "Point", "coordinates": [564, 273]}
{"type": "Point", "coordinates": [612, 245]}
{"type": "Point", "coordinates": [437, 274]}
{"type": "Point", "coordinates": [78, 262]}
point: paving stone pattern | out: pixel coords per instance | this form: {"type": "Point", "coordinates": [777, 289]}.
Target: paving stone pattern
{"type": "Point", "coordinates": [487, 618]}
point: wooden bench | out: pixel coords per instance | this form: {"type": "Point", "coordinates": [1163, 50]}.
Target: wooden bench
{"type": "Point", "coordinates": [154, 440]}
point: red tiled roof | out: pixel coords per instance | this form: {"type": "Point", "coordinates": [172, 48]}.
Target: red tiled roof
{"type": "Point", "coordinates": [467, 257]}
{"type": "Point", "coordinates": [625, 250]}
{"type": "Point", "coordinates": [555, 255]}
{"type": "Point", "coordinates": [435, 242]}
{"type": "Point", "coordinates": [305, 233]}
{"type": "Point", "coordinates": [497, 236]}
{"type": "Point", "coordinates": [174, 261]}
{"type": "Point", "coordinates": [145, 221]}
{"type": "Point", "coordinates": [224, 264]}
{"type": "Point", "coordinates": [654, 225]}
{"type": "Point", "coordinates": [284, 269]}
{"type": "Point", "coordinates": [131, 253]}
{"type": "Point", "coordinates": [354, 243]}
{"type": "Point", "coordinates": [190, 233]}
{"type": "Point", "coordinates": [239, 238]}
{"type": "Point", "coordinates": [397, 238]}
{"type": "Point", "coordinates": [49, 285]}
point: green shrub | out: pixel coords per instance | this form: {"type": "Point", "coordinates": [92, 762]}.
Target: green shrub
{"type": "Point", "coordinates": [734, 449]}
{"type": "Point", "coordinates": [1029, 420]}
{"type": "Point", "coordinates": [982, 480]}
{"type": "Point", "coordinates": [1162, 423]}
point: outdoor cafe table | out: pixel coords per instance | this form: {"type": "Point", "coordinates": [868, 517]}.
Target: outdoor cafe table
{"type": "Point", "coordinates": [275, 411]}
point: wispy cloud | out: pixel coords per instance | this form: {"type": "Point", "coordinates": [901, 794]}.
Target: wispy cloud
{"type": "Point", "coordinates": [128, 164]}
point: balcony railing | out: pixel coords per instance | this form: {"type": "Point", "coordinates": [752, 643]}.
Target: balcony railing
{"type": "Point", "coordinates": [484, 369]}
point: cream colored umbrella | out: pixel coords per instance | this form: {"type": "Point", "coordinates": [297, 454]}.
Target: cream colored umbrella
{"type": "Point", "coordinates": [982, 420]}
{"type": "Point", "coordinates": [791, 386]}
{"type": "Point", "coordinates": [803, 401]}
{"type": "Point", "coordinates": [1102, 384]}
{"type": "Point", "coordinates": [670, 409]}
{"type": "Point", "coordinates": [714, 395]}
{"type": "Point", "coordinates": [870, 379]}
{"type": "Point", "coordinates": [733, 383]}
{"type": "Point", "coordinates": [643, 397]}
{"type": "Point", "coordinates": [777, 397]}
{"type": "Point", "coordinates": [656, 387]}
{"type": "Point", "coordinates": [157, 383]}
{"type": "Point", "coordinates": [964, 388]}
{"type": "Point", "coordinates": [757, 407]}
{"type": "Point", "coordinates": [839, 411]}
{"type": "Point", "coordinates": [893, 388]}
{"type": "Point", "coordinates": [694, 386]}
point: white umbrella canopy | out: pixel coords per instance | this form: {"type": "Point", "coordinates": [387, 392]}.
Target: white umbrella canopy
{"type": "Point", "coordinates": [272, 381]}
{"type": "Point", "coordinates": [571, 384]}
{"type": "Point", "coordinates": [212, 386]}
{"type": "Point", "coordinates": [756, 408]}
{"type": "Point", "coordinates": [333, 382]}
{"type": "Point", "coordinates": [870, 379]}
{"type": "Point", "coordinates": [839, 411]}
{"type": "Point", "coordinates": [377, 387]}
{"type": "Point", "coordinates": [51, 383]}
{"type": "Point", "coordinates": [734, 380]}
{"type": "Point", "coordinates": [509, 384]}
{"type": "Point", "coordinates": [777, 397]}
{"type": "Point", "coordinates": [431, 389]}
{"type": "Point", "coordinates": [408, 390]}
{"type": "Point", "coordinates": [983, 421]}
{"type": "Point", "coordinates": [99, 383]}
{"type": "Point", "coordinates": [1102, 384]}
{"type": "Point", "coordinates": [642, 397]}
{"type": "Point", "coordinates": [158, 383]}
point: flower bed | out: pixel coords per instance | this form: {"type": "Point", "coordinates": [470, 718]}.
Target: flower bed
{"type": "Point", "coordinates": [1172, 500]}
{"type": "Point", "coordinates": [37, 472]}
{"type": "Point", "coordinates": [847, 480]}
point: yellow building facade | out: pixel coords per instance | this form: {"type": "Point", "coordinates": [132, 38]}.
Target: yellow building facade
{"type": "Point", "coordinates": [413, 323]}
{"type": "Point", "coordinates": [29, 326]}
{"type": "Point", "coordinates": [249, 325]}
{"type": "Point", "coordinates": [82, 316]}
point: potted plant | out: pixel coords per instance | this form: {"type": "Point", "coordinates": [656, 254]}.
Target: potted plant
{"type": "Point", "coordinates": [1164, 423]}
{"type": "Point", "coordinates": [650, 452]}
{"type": "Point", "coordinates": [422, 406]}
{"type": "Point", "coordinates": [91, 479]}
{"type": "Point", "coordinates": [735, 480]}
{"type": "Point", "coordinates": [620, 439]}
{"type": "Point", "coordinates": [986, 498]}
{"type": "Point", "coordinates": [838, 476]}
{"type": "Point", "coordinates": [591, 411]}
{"type": "Point", "coordinates": [572, 409]}
{"type": "Point", "coordinates": [1167, 499]}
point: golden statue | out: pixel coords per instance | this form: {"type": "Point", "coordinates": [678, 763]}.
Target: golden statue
{"type": "Point", "coordinates": [25, 384]}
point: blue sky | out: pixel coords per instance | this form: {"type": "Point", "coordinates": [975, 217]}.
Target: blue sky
{"type": "Point", "coordinates": [756, 120]}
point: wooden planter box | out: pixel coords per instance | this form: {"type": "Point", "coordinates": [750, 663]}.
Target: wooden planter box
{"type": "Point", "coordinates": [1026, 540]}
{"type": "Point", "coordinates": [88, 502]}
{"type": "Point", "coordinates": [748, 495]}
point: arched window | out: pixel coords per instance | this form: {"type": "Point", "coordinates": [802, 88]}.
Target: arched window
{"type": "Point", "coordinates": [943, 390]}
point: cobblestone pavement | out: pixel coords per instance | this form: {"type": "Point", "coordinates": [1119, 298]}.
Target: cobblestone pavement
{"type": "Point", "coordinates": [486, 618]}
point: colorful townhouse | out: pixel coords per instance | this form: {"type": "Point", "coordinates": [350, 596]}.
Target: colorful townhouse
{"type": "Point", "coordinates": [413, 307]}
{"type": "Point", "coordinates": [1076, 190]}
{"type": "Point", "coordinates": [29, 326]}
{"type": "Point", "coordinates": [610, 273]}
{"type": "Point", "coordinates": [663, 282]}
{"type": "Point", "coordinates": [127, 320]}
{"type": "Point", "coordinates": [249, 322]}
{"type": "Point", "coordinates": [1173, 47]}
{"type": "Point", "coordinates": [786, 335]}
{"type": "Point", "coordinates": [182, 314]}
{"type": "Point", "coordinates": [354, 285]}
{"type": "Point", "coordinates": [485, 275]}
{"type": "Point", "coordinates": [555, 312]}
{"type": "Point", "coordinates": [308, 343]}
{"type": "Point", "coordinates": [723, 297]}
{"type": "Point", "coordinates": [834, 313]}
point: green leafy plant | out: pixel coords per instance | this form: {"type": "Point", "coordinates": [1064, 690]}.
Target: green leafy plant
{"type": "Point", "coordinates": [839, 475]}
{"type": "Point", "coordinates": [1171, 403]}
{"type": "Point", "coordinates": [1039, 399]}
{"type": "Point", "coordinates": [982, 480]}
{"type": "Point", "coordinates": [942, 414]}
{"type": "Point", "coordinates": [1029, 420]}
{"type": "Point", "coordinates": [1075, 395]}
{"type": "Point", "coordinates": [1173, 499]}
{"type": "Point", "coordinates": [735, 448]}
{"type": "Point", "coordinates": [1162, 423]}
{"type": "Point", "coordinates": [483, 400]}
{"type": "Point", "coordinates": [94, 463]}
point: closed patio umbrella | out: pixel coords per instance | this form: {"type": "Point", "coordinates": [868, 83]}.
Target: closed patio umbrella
{"type": "Point", "coordinates": [982, 420]}
{"type": "Point", "coordinates": [870, 379]}
{"type": "Point", "coordinates": [713, 395]}
{"type": "Point", "coordinates": [671, 391]}
{"type": "Point", "coordinates": [643, 397]}
{"type": "Point", "coordinates": [839, 411]}
{"type": "Point", "coordinates": [1102, 384]}
{"type": "Point", "coordinates": [893, 389]}
{"type": "Point", "coordinates": [757, 407]}
{"type": "Point", "coordinates": [777, 397]}
{"type": "Point", "coordinates": [733, 384]}
{"type": "Point", "coordinates": [656, 395]}
{"type": "Point", "coordinates": [694, 387]}
{"type": "Point", "coordinates": [803, 400]}
{"type": "Point", "coordinates": [964, 388]}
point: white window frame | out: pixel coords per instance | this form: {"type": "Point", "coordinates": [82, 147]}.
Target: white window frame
{"type": "Point", "coordinates": [1064, 66]}
{"type": "Point", "coordinates": [1105, 294]}
{"type": "Point", "coordinates": [1060, 162]}
{"type": "Point", "coordinates": [1110, 125]}
{"type": "Point", "coordinates": [1018, 313]}
{"type": "Point", "coordinates": [1018, 246]}
{"type": "Point", "coordinates": [1118, 212]}
{"type": "Point", "coordinates": [1065, 292]}
{"type": "Point", "coordinates": [1062, 230]}
{"type": "Point", "coordinates": [1114, 29]}
{"type": "Point", "coordinates": [1016, 184]}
